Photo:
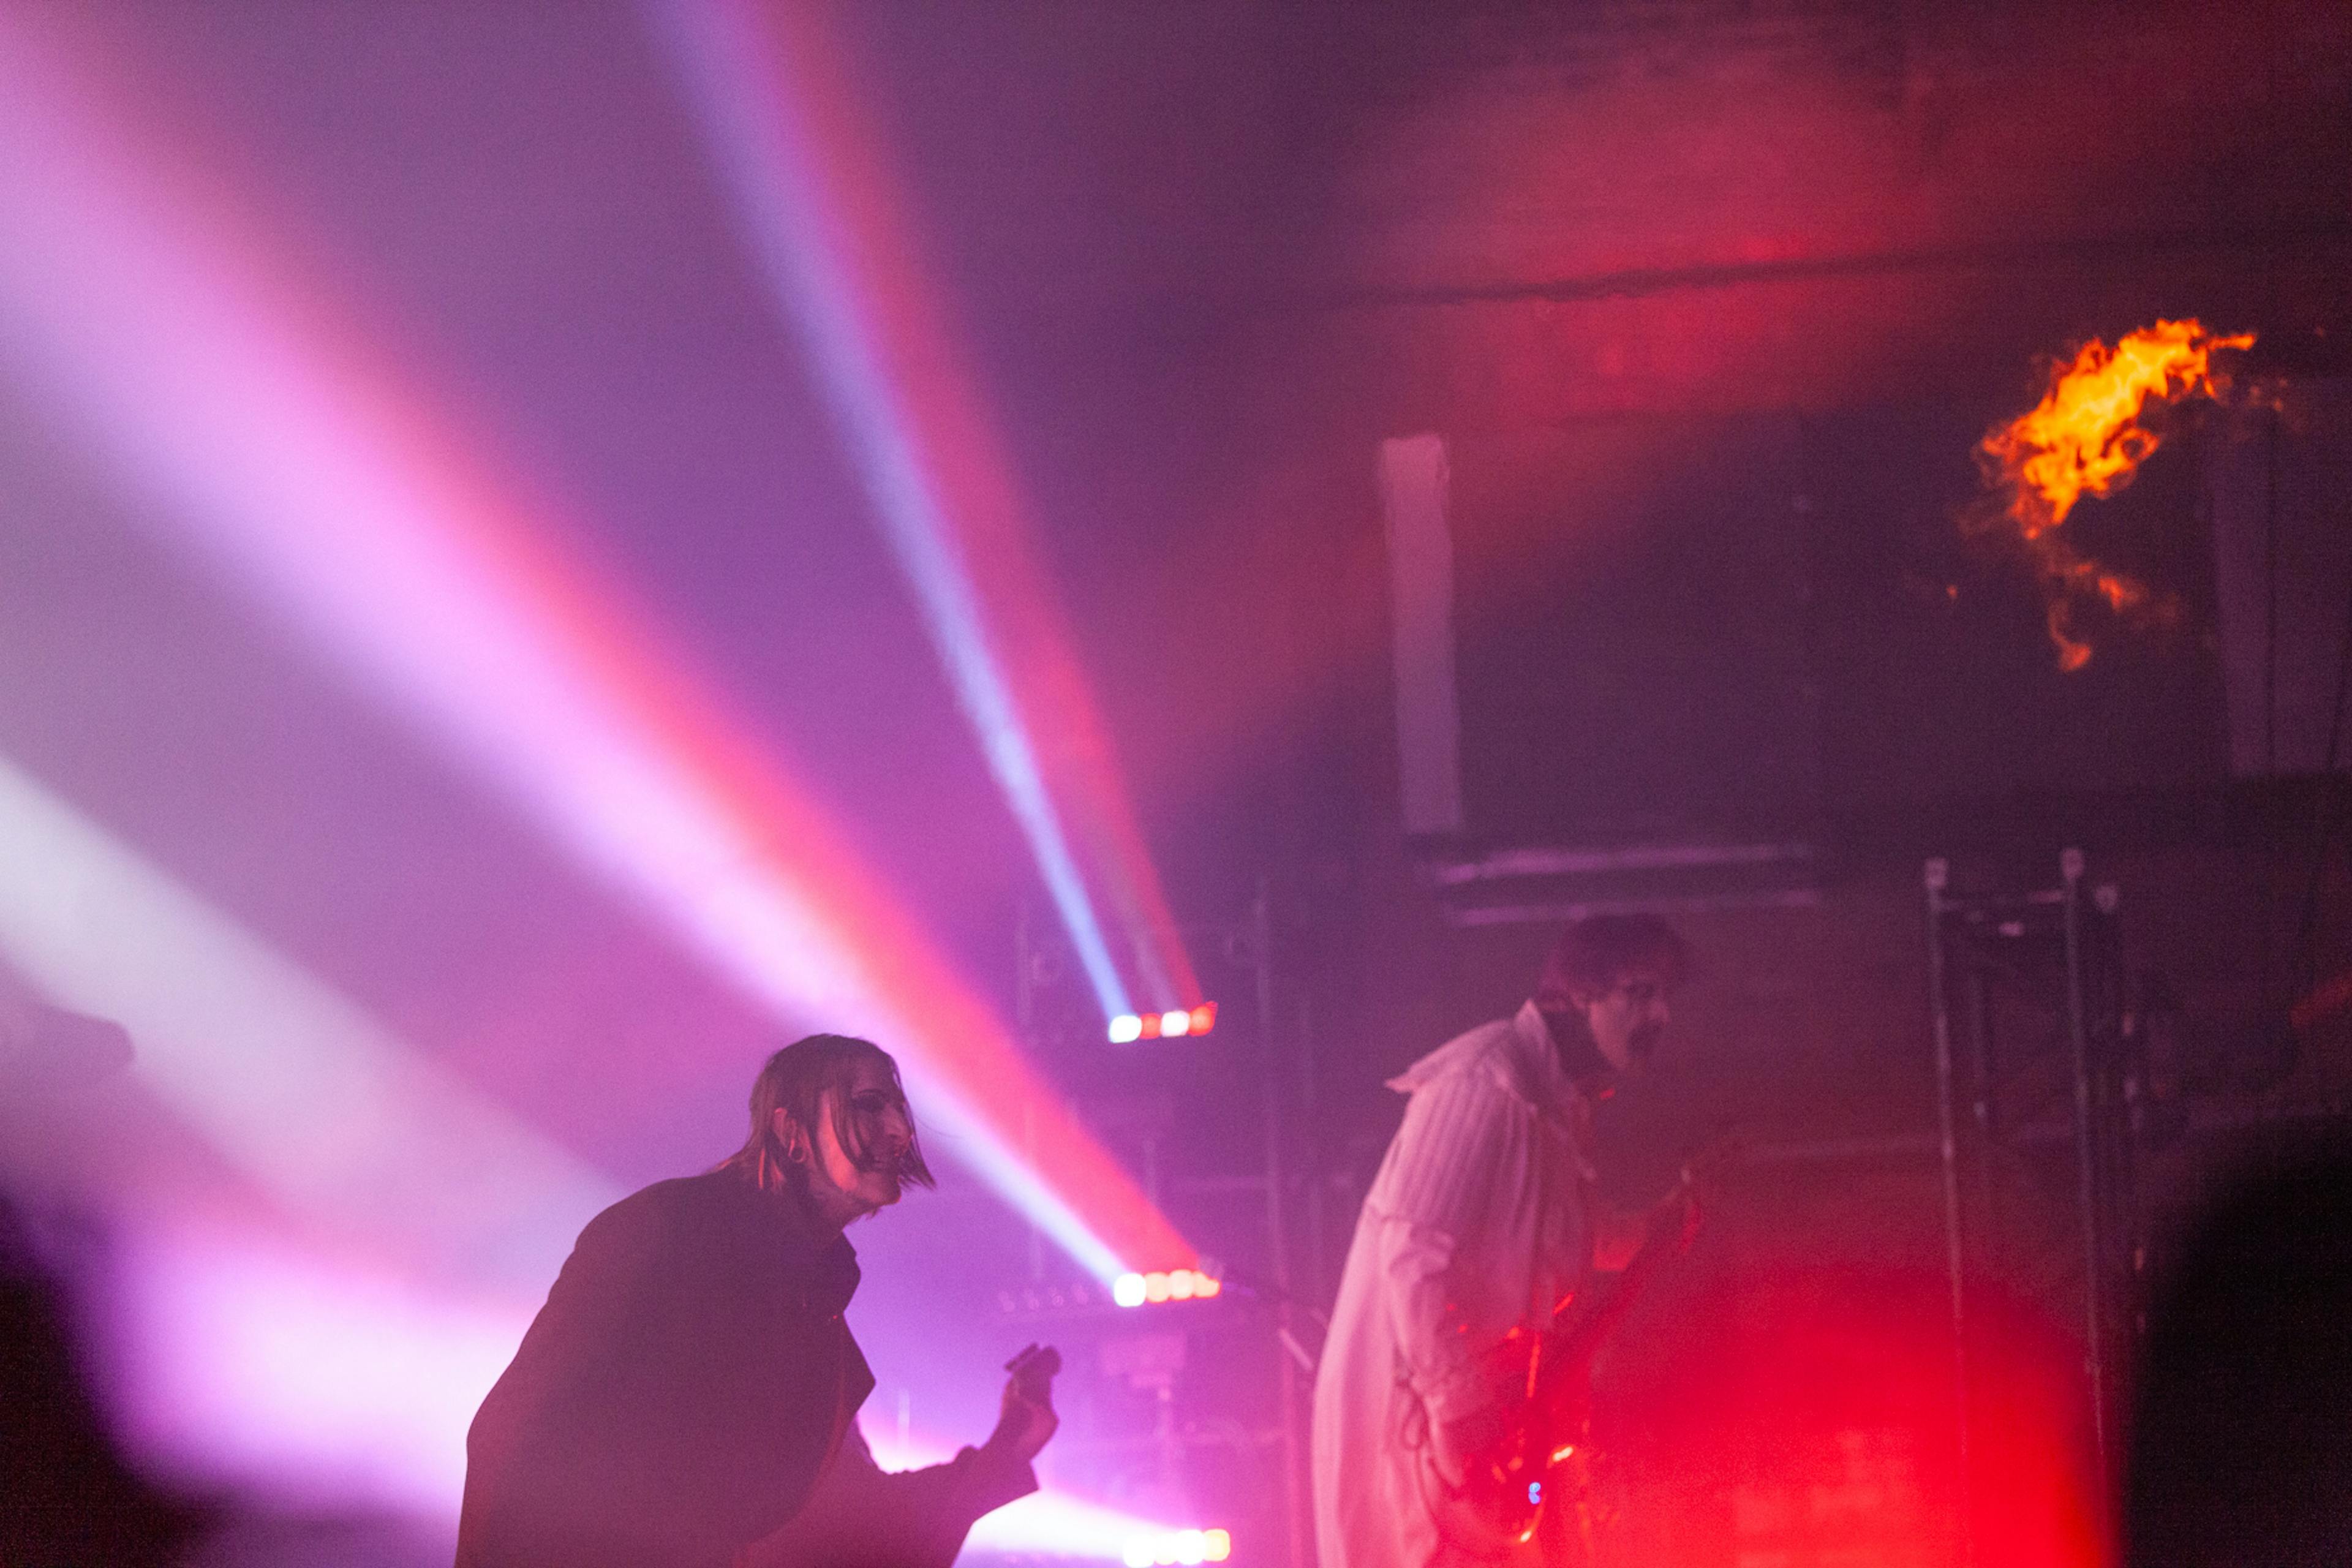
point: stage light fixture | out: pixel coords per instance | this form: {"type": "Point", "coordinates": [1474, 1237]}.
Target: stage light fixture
{"type": "Point", "coordinates": [1164, 1549]}
{"type": "Point", "coordinates": [1125, 1028]}
{"type": "Point", "coordinates": [1174, 1285]}
{"type": "Point", "coordinates": [1049, 1524]}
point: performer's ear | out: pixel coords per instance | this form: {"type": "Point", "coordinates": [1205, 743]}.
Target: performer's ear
{"type": "Point", "coordinates": [790, 1134]}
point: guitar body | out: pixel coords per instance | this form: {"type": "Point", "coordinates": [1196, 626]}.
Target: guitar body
{"type": "Point", "coordinates": [1533, 1488]}
{"type": "Point", "coordinates": [1532, 1491]}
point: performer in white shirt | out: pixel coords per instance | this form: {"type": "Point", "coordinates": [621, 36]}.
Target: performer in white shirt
{"type": "Point", "coordinates": [1482, 1218]}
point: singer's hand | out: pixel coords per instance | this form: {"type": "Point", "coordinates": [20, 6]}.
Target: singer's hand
{"type": "Point", "coordinates": [1026, 1418]}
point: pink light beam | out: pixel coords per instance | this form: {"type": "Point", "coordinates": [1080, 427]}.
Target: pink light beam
{"type": "Point", "coordinates": [823, 217]}
{"type": "Point", "coordinates": [295, 460]}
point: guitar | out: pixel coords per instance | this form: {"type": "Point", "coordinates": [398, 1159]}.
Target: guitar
{"type": "Point", "coordinates": [1541, 1463]}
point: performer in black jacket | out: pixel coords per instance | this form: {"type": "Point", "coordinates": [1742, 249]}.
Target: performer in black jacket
{"type": "Point", "coordinates": [687, 1397]}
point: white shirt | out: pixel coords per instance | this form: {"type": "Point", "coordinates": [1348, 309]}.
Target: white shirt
{"type": "Point", "coordinates": [1478, 1222]}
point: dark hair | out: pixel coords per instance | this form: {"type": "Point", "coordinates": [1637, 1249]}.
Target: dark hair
{"type": "Point", "coordinates": [1600, 953]}
{"type": "Point", "coordinates": [794, 1081]}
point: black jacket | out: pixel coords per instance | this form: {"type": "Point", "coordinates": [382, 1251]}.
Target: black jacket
{"type": "Point", "coordinates": [682, 1394]}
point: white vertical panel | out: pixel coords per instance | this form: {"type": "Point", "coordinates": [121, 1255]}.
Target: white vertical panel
{"type": "Point", "coordinates": [1414, 486]}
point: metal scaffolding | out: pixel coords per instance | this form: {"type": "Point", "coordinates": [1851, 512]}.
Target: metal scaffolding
{"type": "Point", "coordinates": [2030, 1020]}
{"type": "Point", "coordinates": [1262, 1184]}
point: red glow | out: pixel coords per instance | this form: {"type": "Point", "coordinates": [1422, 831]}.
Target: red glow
{"type": "Point", "coordinates": [1807, 1418]}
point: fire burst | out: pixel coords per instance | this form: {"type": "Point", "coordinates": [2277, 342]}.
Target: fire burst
{"type": "Point", "coordinates": [2085, 437]}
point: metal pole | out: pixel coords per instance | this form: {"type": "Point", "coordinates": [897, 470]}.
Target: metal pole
{"type": "Point", "coordinates": [2070, 867]}
{"type": "Point", "coordinates": [1261, 939]}
{"type": "Point", "coordinates": [2125, 1087]}
{"type": "Point", "coordinates": [1986, 1117]}
{"type": "Point", "coordinates": [1277, 1228]}
{"type": "Point", "coordinates": [1309, 1099]}
{"type": "Point", "coordinates": [1938, 878]}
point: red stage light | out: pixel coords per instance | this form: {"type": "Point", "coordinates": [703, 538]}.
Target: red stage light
{"type": "Point", "coordinates": [1127, 1028]}
{"type": "Point", "coordinates": [1174, 1285]}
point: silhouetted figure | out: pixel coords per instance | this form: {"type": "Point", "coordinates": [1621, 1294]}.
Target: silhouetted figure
{"type": "Point", "coordinates": [2242, 1442]}
{"type": "Point", "coordinates": [68, 1499]}
{"type": "Point", "coordinates": [688, 1398]}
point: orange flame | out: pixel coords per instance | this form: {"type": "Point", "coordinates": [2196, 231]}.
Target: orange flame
{"type": "Point", "coordinates": [2085, 437]}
